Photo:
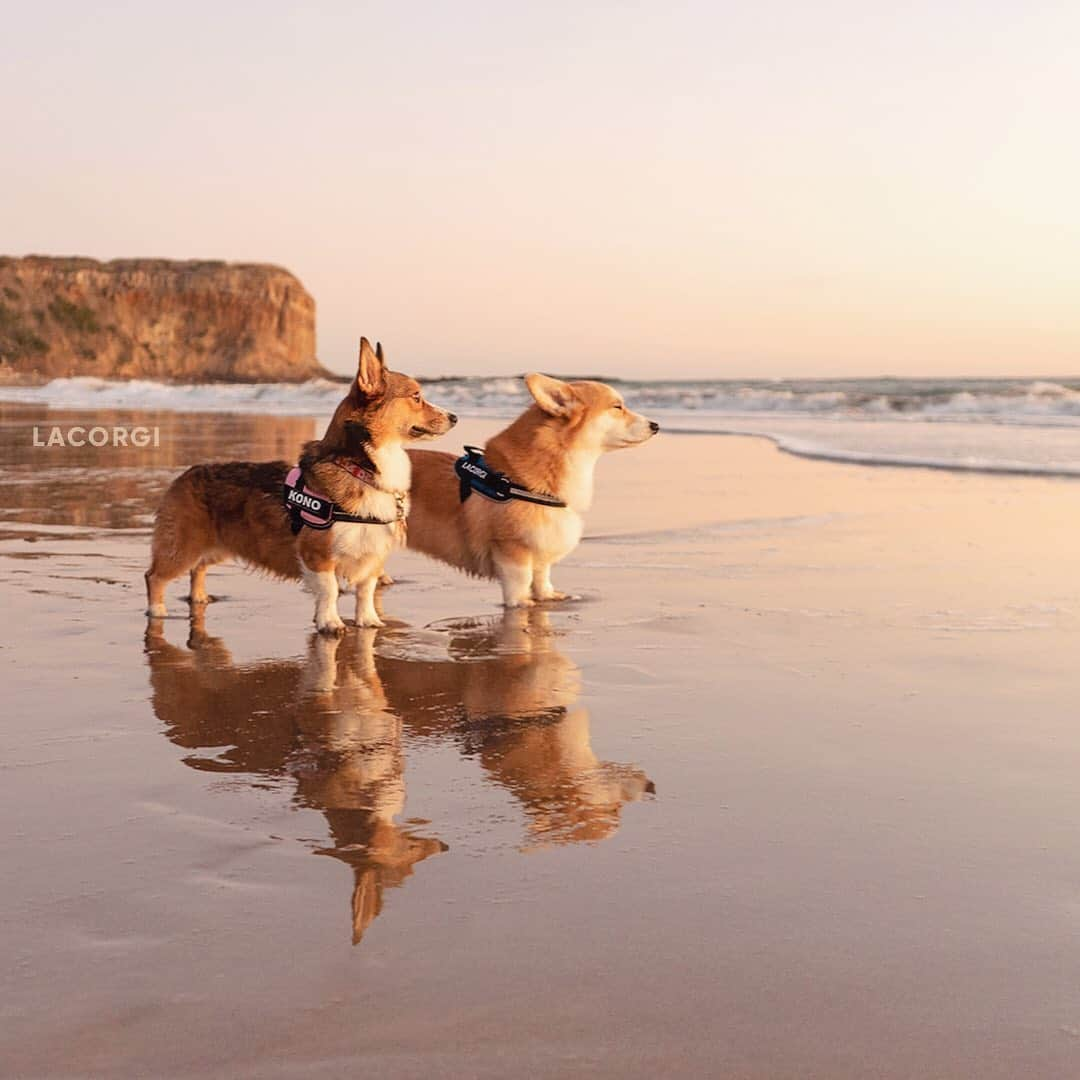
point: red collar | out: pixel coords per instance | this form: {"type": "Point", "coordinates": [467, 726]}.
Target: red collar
{"type": "Point", "coordinates": [366, 476]}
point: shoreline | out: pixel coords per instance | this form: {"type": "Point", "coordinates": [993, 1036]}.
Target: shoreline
{"type": "Point", "coordinates": [54, 415]}
{"type": "Point", "coordinates": [869, 461]}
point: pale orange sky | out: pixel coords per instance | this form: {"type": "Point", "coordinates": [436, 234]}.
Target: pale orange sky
{"type": "Point", "coordinates": [697, 189]}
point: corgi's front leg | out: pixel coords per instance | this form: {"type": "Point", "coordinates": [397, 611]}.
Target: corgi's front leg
{"type": "Point", "coordinates": [324, 584]}
{"type": "Point", "coordinates": [366, 615]}
{"type": "Point", "coordinates": [542, 589]}
{"type": "Point", "coordinates": [514, 568]}
{"type": "Point", "coordinates": [364, 576]}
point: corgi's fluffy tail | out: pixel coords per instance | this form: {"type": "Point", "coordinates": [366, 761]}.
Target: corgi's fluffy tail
{"type": "Point", "coordinates": [437, 523]}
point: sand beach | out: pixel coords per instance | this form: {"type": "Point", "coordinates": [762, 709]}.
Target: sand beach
{"type": "Point", "coordinates": [789, 792]}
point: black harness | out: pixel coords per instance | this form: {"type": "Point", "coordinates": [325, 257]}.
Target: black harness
{"type": "Point", "coordinates": [477, 475]}
{"type": "Point", "coordinates": [317, 512]}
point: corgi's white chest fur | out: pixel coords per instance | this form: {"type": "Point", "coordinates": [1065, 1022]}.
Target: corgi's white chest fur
{"type": "Point", "coordinates": [353, 543]}
{"type": "Point", "coordinates": [393, 466]}
{"type": "Point", "coordinates": [559, 531]}
{"type": "Point", "coordinates": [578, 485]}
{"type": "Point", "coordinates": [555, 535]}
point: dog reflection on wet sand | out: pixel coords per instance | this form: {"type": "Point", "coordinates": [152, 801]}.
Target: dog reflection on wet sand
{"type": "Point", "coordinates": [334, 721]}
{"type": "Point", "coordinates": [323, 721]}
{"type": "Point", "coordinates": [506, 695]}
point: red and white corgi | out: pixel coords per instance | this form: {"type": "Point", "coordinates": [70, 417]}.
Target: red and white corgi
{"type": "Point", "coordinates": [551, 450]}
{"type": "Point", "coordinates": [235, 510]}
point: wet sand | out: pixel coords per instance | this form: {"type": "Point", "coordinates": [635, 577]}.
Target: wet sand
{"type": "Point", "coordinates": [791, 792]}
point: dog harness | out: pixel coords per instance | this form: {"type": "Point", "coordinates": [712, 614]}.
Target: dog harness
{"type": "Point", "coordinates": [476, 474]}
{"type": "Point", "coordinates": [317, 512]}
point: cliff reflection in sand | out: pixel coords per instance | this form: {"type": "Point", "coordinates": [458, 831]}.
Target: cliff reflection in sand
{"type": "Point", "coordinates": [335, 722]}
{"type": "Point", "coordinates": [120, 487]}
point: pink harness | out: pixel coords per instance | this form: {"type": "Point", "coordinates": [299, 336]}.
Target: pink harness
{"type": "Point", "coordinates": [307, 507]}
{"type": "Point", "coordinates": [303, 503]}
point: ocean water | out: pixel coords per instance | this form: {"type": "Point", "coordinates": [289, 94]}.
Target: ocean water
{"type": "Point", "coordinates": [996, 425]}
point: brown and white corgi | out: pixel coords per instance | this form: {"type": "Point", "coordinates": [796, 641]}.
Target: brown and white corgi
{"type": "Point", "coordinates": [235, 510]}
{"type": "Point", "coordinates": [551, 449]}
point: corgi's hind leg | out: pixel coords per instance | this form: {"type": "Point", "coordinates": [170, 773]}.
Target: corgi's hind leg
{"type": "Point", "coordinates": [183, 538]}
{"type": "Point", "coordinates": [514, 569]}
{"type": "Point", "coordinates": [155, 592]}
{"type": "Point", "coordinates": [165, 566]}
{"type": "Point", "coordinates": [198, 595]}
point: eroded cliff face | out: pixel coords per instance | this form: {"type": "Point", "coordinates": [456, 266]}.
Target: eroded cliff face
{"type": "Point", "coordinates": [154, 319]}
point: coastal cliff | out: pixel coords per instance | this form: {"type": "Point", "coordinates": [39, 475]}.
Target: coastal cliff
{"type": "Point", "coordinates": [154, 319]}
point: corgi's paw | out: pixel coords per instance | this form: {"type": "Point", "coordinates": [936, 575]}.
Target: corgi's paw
{"type": "Point", "coordinates": [370, 621]}
{"type": "Point", "coordinates": [331, 626]}
{"type": "Point", "coordinates": [385, 579]}
{"type": "Point", "coordinates": [556, 597]}
{"type": "Point", "coordinates": [522, 602]}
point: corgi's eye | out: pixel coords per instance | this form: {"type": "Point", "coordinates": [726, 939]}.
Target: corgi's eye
{"type": "Point", "coordinates": [618, 405]}
{"type": "Point", "coordinates": [418, 397]}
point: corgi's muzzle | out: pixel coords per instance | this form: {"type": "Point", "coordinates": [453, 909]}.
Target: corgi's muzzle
{"type": "Point", "coordinates": [639, 429]}
{"type": "Point", "coordinates": [448, 420]}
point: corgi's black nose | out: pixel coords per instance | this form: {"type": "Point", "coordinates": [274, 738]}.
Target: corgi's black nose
{"type": "Point", "coordinates": [452, 417]}
{"type": "Point", "coordinates": [654, 427]}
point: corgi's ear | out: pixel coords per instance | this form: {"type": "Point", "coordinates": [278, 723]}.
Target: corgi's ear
{"type": "Point", "coordinates": [370, 370]}
{"type": "Point", "coordinates": [554, 397]}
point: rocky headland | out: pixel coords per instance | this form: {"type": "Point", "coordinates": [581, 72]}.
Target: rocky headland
{"type": "Point", "coordinates": [154, 319]}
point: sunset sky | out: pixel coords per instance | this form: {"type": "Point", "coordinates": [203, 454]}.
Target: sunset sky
{"type": "Point", "coordinates": [765, 189]}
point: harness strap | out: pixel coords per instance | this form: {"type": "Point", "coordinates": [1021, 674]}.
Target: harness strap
{"type": "Point", "coordinates": [306, 507]}
{"type": "Point", "coordinates": [475, 474]}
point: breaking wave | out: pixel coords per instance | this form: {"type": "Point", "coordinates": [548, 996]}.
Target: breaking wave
{"type": "Point", "coordinates": [994, 400]}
